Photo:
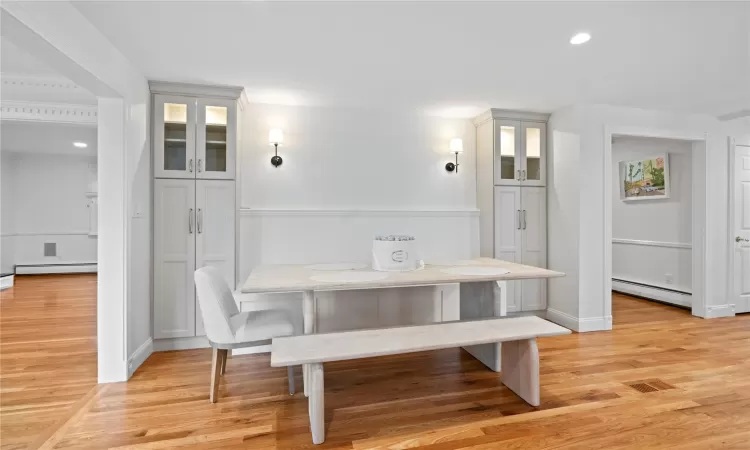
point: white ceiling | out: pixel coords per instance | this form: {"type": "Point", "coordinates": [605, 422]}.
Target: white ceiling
{"type": "Point", "coordinates": [16, 61]}
{"type": "Point", "coordinates": [446, 57]}
{"type": "Point", "coordinates": [46, 138]}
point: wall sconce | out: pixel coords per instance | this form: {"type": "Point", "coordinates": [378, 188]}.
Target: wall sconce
{"type": "Point", "coordinates": [276, 138]}
{"type": "Point", "coordinates": [457, 146]}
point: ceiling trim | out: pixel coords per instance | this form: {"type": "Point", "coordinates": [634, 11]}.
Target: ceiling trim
{"type": "Point", "coordinates": [47, 112]}
{"type": "Point", "coordinates": [13, 80]}
{"type": "Point", "coordinates": [195, 90]}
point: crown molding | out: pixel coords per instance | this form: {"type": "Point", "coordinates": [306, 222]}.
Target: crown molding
{"type": "Point", "coordinates": [495, 113]}
{"type": "Point", "coordinates": [48, 112]}
{"type": "Point", "coordinates": [195, 90]}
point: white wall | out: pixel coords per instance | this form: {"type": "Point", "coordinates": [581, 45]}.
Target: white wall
{"type": "Point", "coordinates": [349, 174]}
{"type": "Point", "coordinates": [355, 158]}
{"type": "Point", "coordinates": [49, 204]}
{"type": "Point", "coordinates": [664, 221]}
{"type": "Point", "coordinates": [7, 206]}
{"type": "Point", "coordinates": [563, 211]}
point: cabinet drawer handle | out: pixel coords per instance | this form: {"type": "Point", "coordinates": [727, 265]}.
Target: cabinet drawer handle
{"type": "Point", "coordinates": [518, 216]}
{"type": "Point", "coordinates": [200, 220]}
{"type": "Point", "coordinates": [190, 221]}
{"type": "Point", "coordinates": [524, 219]}
{"type": "Point", "coordinates": [523, 175]}
{"type": "Point", "coordinates": [190, 165]}
{"type": "Point", "coordinates": [199, 165]}
{"type": "Point", "coordinates": [519, 175]}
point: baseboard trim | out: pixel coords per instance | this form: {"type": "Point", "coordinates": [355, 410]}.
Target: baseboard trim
{"type": "Point", "coordinates": [6, 282]}
{"type": "Point", "coordinates": [654, 293]}
{"type": "Point", "coordinates": [185, 343]}
{"type": "Point", "coordinates": [39, 269]}
{"type": "Point", "coordinates": [582, 325]}
{"type": "Point", "coordinates": [140, 355]}
{"type": "Point", "coordinates": [714, 312]}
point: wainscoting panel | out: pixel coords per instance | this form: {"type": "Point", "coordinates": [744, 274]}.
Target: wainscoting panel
{"type": "Point", "coordinates": [653, 262]}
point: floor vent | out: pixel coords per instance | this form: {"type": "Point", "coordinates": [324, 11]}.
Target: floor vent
{"type": "Point", "coordinates": [649, 386]}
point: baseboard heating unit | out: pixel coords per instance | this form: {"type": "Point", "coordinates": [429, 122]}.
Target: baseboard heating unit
{"type": "Point", "coordinates": [657, 293]}
{"type": "Point", "coordinates": [62, 267]}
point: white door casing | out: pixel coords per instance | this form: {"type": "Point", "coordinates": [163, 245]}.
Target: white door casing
{"type": "Point", "coordinates": [741, 226]}
{"type": "Point", "coordinates": [533, 245]}
{"type": "Point", "coordinates": [174, 258]}
{"type": "Point", "coordinates": [508, 223]}
{"type": "Point", "coordinates": [214, 238]}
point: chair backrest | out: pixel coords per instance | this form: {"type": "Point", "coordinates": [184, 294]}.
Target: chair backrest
{"type": "Point", "coordinates": [216, 303]}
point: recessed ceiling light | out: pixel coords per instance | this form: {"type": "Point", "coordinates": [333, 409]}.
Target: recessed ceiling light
{"type": "Point", "coordinates": [80, 144]}
{"type": "Point", "coordinates": [580, 38]}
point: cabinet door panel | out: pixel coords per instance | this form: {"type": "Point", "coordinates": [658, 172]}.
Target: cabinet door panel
{"type": "Point", "coordinates": [533, 148]}
{"type": "Point", "coordinates": [174, 258]}
{"type": "Point", "coordinates": [534, 245]}
{"type": "Point", "coordinates": [215, 231]}
{"type": "Point", "coordinates": [215, 139]}
{"type": "Point", "coordinates": [174, 136]}
{"type": "Point", "coordinates": [508, 236]}
{"type": "Point", "coordinates": [507, 152]}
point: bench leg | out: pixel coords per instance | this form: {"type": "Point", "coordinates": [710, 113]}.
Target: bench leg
{"type": "Point", "coordinates": [315, 404]}
{"type": "Point", "coordinates": [520, 369]}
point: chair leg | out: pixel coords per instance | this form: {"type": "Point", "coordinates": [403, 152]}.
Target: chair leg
{"type": "Point", "coordinates": [224, 362]}
{"type": "Point", "coordinates": [290, 378]}
{"type": "Point", "coordinates": [216, 363]}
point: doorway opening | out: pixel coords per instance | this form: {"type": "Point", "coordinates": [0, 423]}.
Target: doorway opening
{"type": "Point", "coordinates": [654, 208]}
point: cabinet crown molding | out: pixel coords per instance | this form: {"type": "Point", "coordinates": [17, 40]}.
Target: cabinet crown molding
{"type": "Point", "coordinates": [496, 113]}
{"type": "Point", "coordinates": [195, 90]}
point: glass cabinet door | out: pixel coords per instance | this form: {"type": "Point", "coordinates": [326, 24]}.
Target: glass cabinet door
{"type": "Point", "coordinates": [534, 138]}
{"type": "Point", "coordinates": [215, 136]}
{"type": "Point", "coordinates": [174, 137]}
{"type": "Point", "coordinates": [507, 152]}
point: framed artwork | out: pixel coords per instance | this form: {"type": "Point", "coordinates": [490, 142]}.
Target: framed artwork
{"type": "Point", "coordinates": [645, 179]}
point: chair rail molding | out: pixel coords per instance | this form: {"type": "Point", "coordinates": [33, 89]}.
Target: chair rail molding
{"type": "Point", "coordinates": [244, 211]}
{"type": "Point", "coordinates": [687, 245]}
{"type": "Point", "coordinates": [48, 112]}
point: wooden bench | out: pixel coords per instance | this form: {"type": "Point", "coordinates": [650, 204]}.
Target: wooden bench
{"type": "Point", "coordinates": [520, 356]}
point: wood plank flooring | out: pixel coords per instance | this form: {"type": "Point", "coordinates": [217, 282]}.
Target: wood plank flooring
{"type": "Point", "coordinates": [661, 379]}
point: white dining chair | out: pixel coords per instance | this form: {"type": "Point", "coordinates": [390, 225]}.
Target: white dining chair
{"type": "Point", "coordinates": [227, 328]}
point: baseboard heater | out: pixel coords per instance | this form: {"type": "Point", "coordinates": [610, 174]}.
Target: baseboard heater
{"type": "Point", "coordinates": [49, 268]}
{"type": "Point", "coordinates": [649, 292]}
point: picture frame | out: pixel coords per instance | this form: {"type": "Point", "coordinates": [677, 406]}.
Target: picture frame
{"type": "Point", "coordinates": [645, 178]}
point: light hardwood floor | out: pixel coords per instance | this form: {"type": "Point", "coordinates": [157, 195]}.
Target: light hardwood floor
{"type": "Point", "coordinates": [691, 377]}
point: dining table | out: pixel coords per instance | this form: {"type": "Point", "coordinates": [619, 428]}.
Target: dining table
{"type": "Point", "coordinates": [481, 291]}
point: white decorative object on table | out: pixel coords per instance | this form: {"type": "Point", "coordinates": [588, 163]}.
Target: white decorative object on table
{"type": "Point", "coordinates": [395, 253]}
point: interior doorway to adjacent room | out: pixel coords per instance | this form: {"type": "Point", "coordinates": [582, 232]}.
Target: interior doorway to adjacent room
{"type": "Point", "coordinates": [657, 194]}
